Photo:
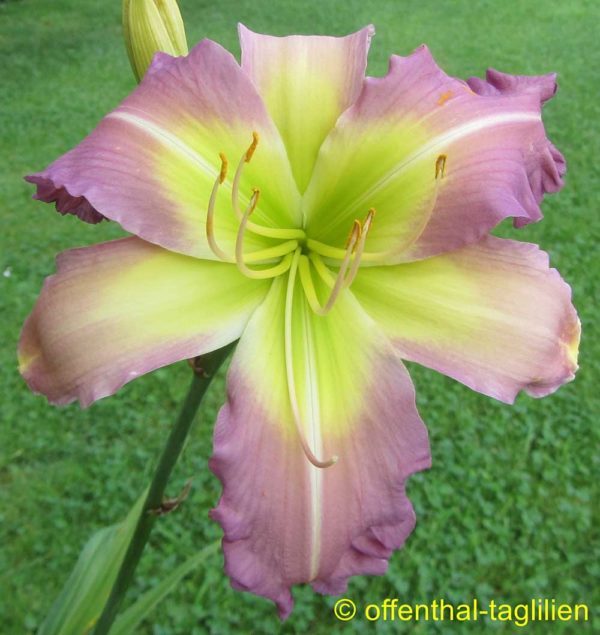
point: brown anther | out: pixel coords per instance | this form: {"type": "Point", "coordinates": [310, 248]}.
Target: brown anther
{"type": "Point", "coordinates": [252, 148]}
{"type": "Point", "coordinates": [354, 234]}
{"type": "Point", "coordinates": [254, 200]}
{"type": "Point", "coordinates": [224, 164]}
{"type": "Point", "coordinates": [369, 219]}
{"type": "Point", "coordinates": [440, 166]}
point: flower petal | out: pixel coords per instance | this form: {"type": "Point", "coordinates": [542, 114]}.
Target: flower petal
{"type": "Point", "coordinates": [151, 163]}
{"type": "Point", "coordinates": [492, 315]}
{"type": "Point", "coordinates": [306, 82]}
{"type": "Point", "coordinates": [544, 176]}
{"type": "Point", "coordinates": [121, 309]}
{"type": "Point", "coordinates": [498, 83]}
{"type": "Point", "coordinates": [384, 150]}
{"type": "Point", "coordinates": [286, 521]}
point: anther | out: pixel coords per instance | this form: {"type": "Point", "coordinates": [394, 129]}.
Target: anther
{"type": "Point", "coordinates": [269, 232]}
{"type": "Point", "coordinates": [210, 213]}
{"type": "Point", "coordinates": [253, 201]}
{"type": "Point", "coordinates": [252, 148]}
{"type": "Point", "coordinates": [369, 219]}
{"type": "Point", "coordinates": [355, 231]}
{"type": "Point", "coordinates": [283, 249]}
{"type": "Point", "coordinates": [235, 188]}
{"type": "Point", "coordinates": [440, 166]}
{"type": "Point", "coordinates": [360, 247]}
{"type": "Point", "coordinates": [224, 164]}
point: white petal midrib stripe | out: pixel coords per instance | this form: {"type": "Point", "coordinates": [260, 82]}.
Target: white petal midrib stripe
{"type": "Point", "coordinates": [168, 138]}
{"type": "Point", "coordinates": [438, 142]}
{"type": "Point", "coordinates": [314, 433]}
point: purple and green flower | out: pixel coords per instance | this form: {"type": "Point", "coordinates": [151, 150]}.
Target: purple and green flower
{"type": "Point", "coordinates": [335, 224]}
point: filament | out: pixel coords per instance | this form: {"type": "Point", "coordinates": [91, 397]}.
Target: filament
{"type": "Point", "coordinates": [257, 256]}
{"type": "Point", "coordinates": [260, 274]}
{"type": "Point", "coordinates": [271, 252]}
{"type": "Point", "coordinates": [382, 257]}
{"type": "Point", "coordinates": [337, 253]}
{"type": "Point", "coordinates": [321, 268]}
{"type": "Point", "coordinates": [283, 256]}
{"type": "Point", "coordinates": [268, 232]}
{"type": "Point", "coordinates": [272, 272]}
{"type": "Point", "coordinates": [246, 157]}
{"type": "Point", "coordinates": [338, 285]}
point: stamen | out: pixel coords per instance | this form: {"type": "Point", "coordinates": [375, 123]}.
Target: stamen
{"type": "Point", "coordinates": [307, 282]}
{"type": "Point", "coordinates": [308, 285]}
{"type": "Point", "coordinates": [336, 253]}
{"type": "Point", "coordinates": [224, 164]}
{"type": "Point", "coordinates": [440, 166]}
{"type": "Point", "coordinates": [272, 272]}
{"type": "Point", "coordinates": [252, 148]}
{"type": "Point", "coordinates": [258, 274]}
{"type": "Point", "coordinates": [268, 232]}
{"type": "Point", "coordinates": [360, 247]}
{"type": "Point", "coordinates": [275, 232]}
{"type": "Point", "coordinates": [356, 229]}
{"type": "Point", "coordinates": [282, 249]}
{"type": "Point", "coordinates": [324, 272]}
{"type": "Point", "coordinates": [239, 243]}
{"type": "Point", "coordinates": [289, 299]}
{"type": "Point", "coordinates": [210, 214]}
{"type": "Point", "coordinates": [246, 157]}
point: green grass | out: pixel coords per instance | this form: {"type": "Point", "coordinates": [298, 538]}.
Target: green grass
{"type": "Point", "coordinates": [507, 511]}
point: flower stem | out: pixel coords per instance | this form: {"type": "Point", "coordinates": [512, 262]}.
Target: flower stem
{"type": "Point", "coordinates": [205, 368]}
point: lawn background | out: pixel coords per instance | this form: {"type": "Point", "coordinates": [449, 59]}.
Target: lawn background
{"type": "Point", "coordinates": [509, 509]}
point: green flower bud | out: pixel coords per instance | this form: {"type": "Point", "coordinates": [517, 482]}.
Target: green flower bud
{"type": "Point", "coordinates": [150, 26]}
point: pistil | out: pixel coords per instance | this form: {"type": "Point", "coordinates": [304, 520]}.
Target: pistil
{"type": "Point", "coordinates": [289, 300]}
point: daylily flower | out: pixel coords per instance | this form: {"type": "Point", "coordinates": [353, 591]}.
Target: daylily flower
{"type": "Point", "coordinates": [372, 200]}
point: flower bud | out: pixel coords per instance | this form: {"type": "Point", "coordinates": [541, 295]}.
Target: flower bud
{"type": "Point", "coordinates": [150, 26]}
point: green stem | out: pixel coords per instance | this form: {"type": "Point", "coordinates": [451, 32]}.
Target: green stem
{"type": "Point", "coordinates": [205, 368]}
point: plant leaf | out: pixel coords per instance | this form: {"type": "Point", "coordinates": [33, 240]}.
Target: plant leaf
{"type": "Point", "coordinates": [129, 619]}
{"type": "Point", "coordinates": [82, 599]}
